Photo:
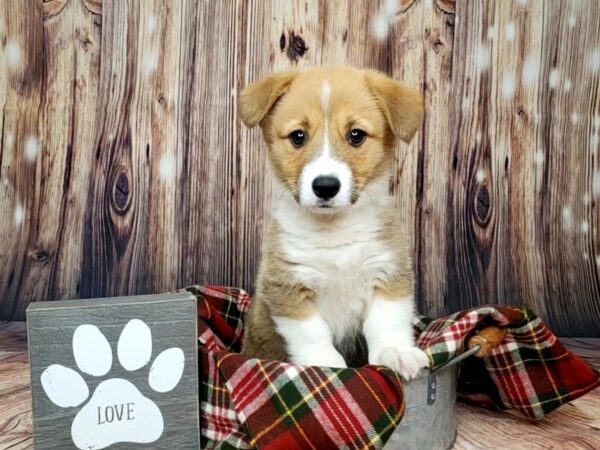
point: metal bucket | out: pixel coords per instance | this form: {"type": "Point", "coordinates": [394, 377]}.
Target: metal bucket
{"type": "Point", "coordinates": [429, 421]}
{"type": "Point", "coordinates": [427, 425]}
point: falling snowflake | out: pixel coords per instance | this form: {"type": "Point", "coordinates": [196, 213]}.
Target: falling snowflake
{"type": "Point", "coordinates": [585, 226]}
{"type": "Point", "coordinates": [390, 7]}
{"type": "Point", "coordinates": [593, 60]}
{"type": "Point", "coordinates": [491, 34]}
{"type": "Point", "coordinates": [482, 57]}
{"type": "Point", "coordinates": [151, 24]}
{"type": "Point", "coordinates": [380, 26]}
{"type": "Point", "coordinates": [166, 167]}
{"type": "Point", "coordinates": [567, 86]}
{"type": "Point", "coordinates": [574, 118]}
{"type": "Point", "coordinates": [567, 218]}
{"type": "Point", "coordinates": [510, 31]}
{"type": "Point", "coordinates": [12, 53]}
{"type": "Point", "coordinates": [480, 176]}
{"type": "Point", "coordinates": [381, 22]}
{"type": "Point", "coordinates": [554, 78]}
{"type": "Point", "coordinates": [478, 137]}
{"type": "Point", "coordinates": [538, 158]}
{"type": "Point", "coordinates": [509, 86]}
{"type": "Point", "coordinates": [465, 103]}
{"type": "Point", "coordinates": [31, 148]}
{"type": "Point", "coordinates": [531, 70]}
{"type": "Point", "coordinates": [572, 20]}
{"type": "Point", "coordinates": [149, 61]}
{"type": "Point", "coordinates": [596, 184]}
{"type": "Point", "coordinates": [19, 214]}
{"type": "Point", "coordinates": [428, 4]}
{"type": "Point", "coordinates": [8, 140]}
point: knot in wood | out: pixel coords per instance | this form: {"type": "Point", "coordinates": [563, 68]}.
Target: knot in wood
{"type": "Point", "coordinates": [40, 256]}
{"type": "Point", "coordinates": [121, 198]}
{"type": "Point", "coordinates": [296, 47]}
{"type": "Point", "coordinates": [282, 42]}
{"type": "Point", "coordinates": [483, 205]}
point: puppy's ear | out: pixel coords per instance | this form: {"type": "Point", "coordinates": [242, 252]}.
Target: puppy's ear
{"type": "Point", "coordinates": [257, 99]}
{"type": "Point", "coordinates": [401, 104]}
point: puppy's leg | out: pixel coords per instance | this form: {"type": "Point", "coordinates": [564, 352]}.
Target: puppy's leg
{"type": "Point", "coordinates": [285, 318]}
{"type": "Point", "coordinates": [389, 335]}
{"type": "Point", "coordinates": [309, 341]}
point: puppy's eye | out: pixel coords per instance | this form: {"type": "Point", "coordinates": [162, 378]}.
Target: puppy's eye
{"type": "Point", "coordinates": [356, 137]}
{"type": "Point", "coordinates": [297, 138]}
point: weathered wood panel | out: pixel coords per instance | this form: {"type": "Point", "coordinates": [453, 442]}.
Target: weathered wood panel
{"type": "Point", "coordinates": [517, 223]}
{"type": "Point", "coordinates": [125, 168]}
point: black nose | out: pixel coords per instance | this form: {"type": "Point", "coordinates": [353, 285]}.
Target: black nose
{"type": "Point", "coordinates": [326, 187]}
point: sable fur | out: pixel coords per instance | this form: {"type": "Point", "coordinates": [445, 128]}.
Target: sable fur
{"type": "Point", "coordinates": [330, 264]}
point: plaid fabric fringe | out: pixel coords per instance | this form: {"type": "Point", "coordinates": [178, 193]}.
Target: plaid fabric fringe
{"type": "Point", "coordinates": [252, 403]}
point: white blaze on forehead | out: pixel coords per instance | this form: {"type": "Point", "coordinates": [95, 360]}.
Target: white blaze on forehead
{"type": "Point", "coordinates": [325, 164]}
{"type": "Point", "coordinates": [325, 95]}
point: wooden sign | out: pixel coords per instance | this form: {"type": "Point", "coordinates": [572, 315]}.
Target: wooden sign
{"type": "Point", "coordinates": [114, 371]}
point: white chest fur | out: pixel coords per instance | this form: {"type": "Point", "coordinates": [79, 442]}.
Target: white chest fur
{"type": "Point", "coordinates": [339, 259]}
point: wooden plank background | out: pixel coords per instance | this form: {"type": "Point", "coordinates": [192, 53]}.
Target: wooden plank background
{"type": "Point", "coordinates": [125, 169]}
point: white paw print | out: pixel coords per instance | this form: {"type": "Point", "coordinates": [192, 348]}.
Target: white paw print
{"type": "Point", "coordinates": [117, 411]}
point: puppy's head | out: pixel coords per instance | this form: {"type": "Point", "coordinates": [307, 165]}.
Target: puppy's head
{"type": "Point", "coordinates": [331, 131]}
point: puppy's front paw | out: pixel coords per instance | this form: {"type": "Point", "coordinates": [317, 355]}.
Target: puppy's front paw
{"type": "Point", "coordinates": [322, 357]}
{"type": "Point", "coordinates": [406, 361]}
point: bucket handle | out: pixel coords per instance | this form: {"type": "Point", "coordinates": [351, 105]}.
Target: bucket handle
{"type": "Point", "coordinates": [480, 345]}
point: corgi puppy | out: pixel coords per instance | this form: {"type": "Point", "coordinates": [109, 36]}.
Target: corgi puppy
{"type": "Point", "coordinates": [335, 269]}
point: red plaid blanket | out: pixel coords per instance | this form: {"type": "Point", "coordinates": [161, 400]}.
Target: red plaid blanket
{"type": "Point", "coordinates": [247, 403]}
